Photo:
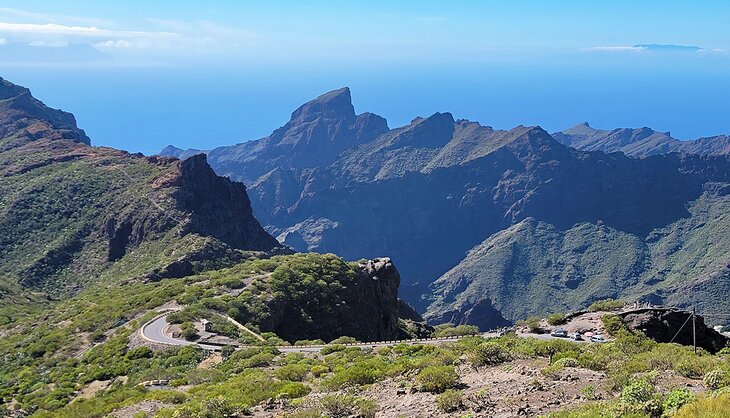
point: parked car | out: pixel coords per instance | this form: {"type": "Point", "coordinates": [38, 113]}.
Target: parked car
{"type": "Point", "coordinates": [505, 331]}
{"type": "Point", "coordinates": [561, 333]}
{"type": "Point", "coordinates": [598, 339]}
{"type": "Point", "coordinates": [576, 336]}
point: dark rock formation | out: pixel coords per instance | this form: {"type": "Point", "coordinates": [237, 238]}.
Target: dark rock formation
{"type": "Point", "coordinates": [219, 207]}
{"type": "Point", "coordinates": [369, 312]}
{"type": "Point", "coordinates": [663, 325]}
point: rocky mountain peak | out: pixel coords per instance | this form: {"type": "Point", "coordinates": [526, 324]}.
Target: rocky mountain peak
{"type": "Point", "coordinates": [210, 199]}
{"type": "Point", "coordinates": [336, 104]}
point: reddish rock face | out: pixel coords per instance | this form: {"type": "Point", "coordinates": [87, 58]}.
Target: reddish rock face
{"type": "Point", "coordinates": [93, 206]}
{"type": "Point", "coordinates": [24, 118]}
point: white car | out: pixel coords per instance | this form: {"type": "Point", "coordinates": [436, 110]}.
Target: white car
{"type": "Point", "coordinates": [598, 339]}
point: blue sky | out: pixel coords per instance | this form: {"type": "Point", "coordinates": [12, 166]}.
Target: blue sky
{"type": "Point", "coordinates": [140, 75]}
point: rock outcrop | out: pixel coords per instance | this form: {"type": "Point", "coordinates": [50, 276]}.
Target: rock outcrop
{"type": "Point", "coordinates": [218, 207]}
{"type": "Point", "coordinates": [667, 325]}
{"type": "Point", "coordinates": [366, 309]}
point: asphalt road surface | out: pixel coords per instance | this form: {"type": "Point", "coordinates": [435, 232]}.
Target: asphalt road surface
{"type": "Point", "coordinates": [154, 331]}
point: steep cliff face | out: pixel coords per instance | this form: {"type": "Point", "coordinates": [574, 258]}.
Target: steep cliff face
{"type": "Point", "coordinates": [72, 214]}
{"type": "Point", "coordinates": [218, 207]}
{"type": "Point", "coordinates": [24, 118]}
{"type": "Point", "coordinates": [316, 134]}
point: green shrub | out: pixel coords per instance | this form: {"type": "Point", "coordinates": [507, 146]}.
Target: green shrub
{"type": "Point", "coordinates": [292, 372]}
{"type": "Point", "coordinates": [344, 340]}
{"type": "Point", "coordinates": [716, 379]}
{"type": "Point", "coordinates": [488, 354]}
{"type": "Point", "coordinates": [363, 372]}
{"type": "Point", "coordinates": [567, 362]}
{"type": "Point", "coordinates": [706, 407]}
{"type": "Point", "coordinates": [605, 305]}
{"type": "Point", "coordinates": [188, 331]}
{"type": "Point", "coordinates": [613, 324]}
{"type": "Point", "coordinates": [675, 400]}
{"type": "Point", "coordinates": [532, 323]}
{"type": "Point", "coordinates": [450, 401]}
{"type": "Point", "coordinates": [342, 406]}
{"type": "Point", "coordinates": [693, 366]}
{"type": "Point", "coordinates": [437, 379]}
{"type": "Point", "coordinates": [139, 353]}
{"type": "Point", "coordinates": [293, 390]}
{"type": "Point", "coordinates": [639, 396]}
{"type": "Point", "coordinates": [318, 370]}
{"type": "Point", "coordinates": [556, 319]}
{"type": "Point", "coordinates": [449, 330]}
{"type": "Point", "coordinates": [308, 342]}
{"type": "Point", "coordinates": [332, 349]}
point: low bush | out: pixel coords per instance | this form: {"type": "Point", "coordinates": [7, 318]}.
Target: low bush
{"type": "Point", "coordinates": [488, 354]}
{"type": "Point", "coordinates": [308, 342]}
{"type": "Point", "coordinates": [318, 370]}
{"type": "Point", "coordinates": [344, 340]}
{"type": "Point", "coordinates": [292, 372]}
{"type": "Point", "coordinates": [449, 330]}
{"type": "Point", "coordinates": [450, 401]}
{"type": "Point", "coordinates": [188, 331]}
{"type": "Point", "coordinates": [567, 362]}
{"type": "Point", "coordinates": [605, 305]}
{"type": "Point", "coordinates": [716, 379]}
{"type": "Point", "coordinates": [556, 319]}
{"type": "Point", "coordinates": [437, 379]}
{"type": "Point", "coordinates": [676, 399]}
{"type": "Point", "coordinates": [706, 407]}
{"type": "Point", "coordinates": [363, 372]}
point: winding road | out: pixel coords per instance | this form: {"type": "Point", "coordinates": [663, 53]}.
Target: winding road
{"type": "Point", "coordinates": [154, 331]}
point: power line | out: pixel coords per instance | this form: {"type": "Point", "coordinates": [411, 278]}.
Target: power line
{"type": "Point", "coordinates": [680, 329]}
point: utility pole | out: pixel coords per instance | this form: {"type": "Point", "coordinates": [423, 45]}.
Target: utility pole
{"type": "Point", "coordinates": [694, 330]}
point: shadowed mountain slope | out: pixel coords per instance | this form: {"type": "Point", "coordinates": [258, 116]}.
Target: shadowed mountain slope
{"type": "Point", "coordinates": [435, 193]}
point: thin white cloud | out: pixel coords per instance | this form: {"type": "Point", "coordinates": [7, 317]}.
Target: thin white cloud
{"type": "Point", "coordinates": [622, 48]}
{"type": "Point", "coordinates": [3, 41]}
{"type": "Point", "coordinates": [657, 48]}
{"type": "Point", "coordinates": [87, 31]}
{"type": "Point", "coordinates": [49, 44]}
{"type": "Point", "coordinates": [9, 13]}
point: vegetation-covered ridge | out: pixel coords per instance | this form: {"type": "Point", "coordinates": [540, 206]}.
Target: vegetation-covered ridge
{"type": "Point", "coordinates": [510, 375]}
{"type": "Point", "coordinates": [72, 215]}
{"type": "Point", "coordinates": [50, 357]}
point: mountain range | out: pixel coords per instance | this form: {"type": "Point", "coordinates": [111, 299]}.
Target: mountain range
{"type": "Point", "coordinates": [640, 142]}
{"type": "Point", "coordinates": [77, 219]}
{"type": "Point", "coordinates": [488, 226]}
